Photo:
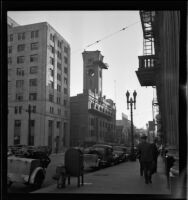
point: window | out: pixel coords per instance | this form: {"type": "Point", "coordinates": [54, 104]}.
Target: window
{"type": "Point", "coordinates": [65, 91]}
{"type": "Point", "coordinates": [33, 109]}
{"type": "Point", "coordinates": [59, 77]}
{"type": "Point", "coordinates": [58, 100]}
{"type": "Point", "coordinates": [34, 58]}
{"type": "Point", "coordinates": [59, 111]}
{"type": "Point", "coordinates": [52, 49]}
{"type": "Point", "coordinates": [20, 59]}
{"type": "Point", "coordinates": [65, 81]}
{"type": "Point", "coordinates": [51, 72]}
{"type": "Point", "coordinates": [51, 110]}
{"type": "Point", "coordinates": [20, 109]}
{"type": "Point", "coordinates": [51, 61]}
{"type": "Point", "coordinates": [51, 84]}
{"type": "Point", "coordinates": [65, 70]}
{"type": "Point", "coordinates": [58, 88]}
{"type": "Point", "coordinates": [33, 69]}
{"type": "Point", "coordinates": [9, 60]}
{"type": "Point", "coordinates": [19, 97]}
{"type": "Point", "coordinates": [19, 83]}
{"type": "Point", "coordinates": [59, 55]}
{"type": "Point", "coordinates": [19, 72]}
{"type": "Point", "coordinates": [21, 47]}
{"type": "Point", "coordinates": [21, 36]}
{"type": "Point", "coordinates": [59, 66]}
{"type": "Point", "coordinates": [32, 96]}
{"type": "Point", "coordinates": [58, 124]}
{"type": "Point", "coordinates": [10, 37]}
{"type": "Point", "coordinates": [35, 34]}
{"type": "Point", "coordinates": [16, 110]}
{"type": "Point", "coordinates": [66, 50]}
{"type": "Point", "coordinates": [34, 46]}
{"type": "Point", "coordinates": [59, 44]}
{"type": "Point", "coordinates": [51, 37]}
{"type": "Point", "coordinates": [51, 97]}
{"type": "Point", "coordinates": [33, 82]}
{"type": "Point", "coordinates": [10, 49]}
{"type": "Point", "coordinates": [65, 59]}
{"type": "Point", "coordinates": [17, 131]}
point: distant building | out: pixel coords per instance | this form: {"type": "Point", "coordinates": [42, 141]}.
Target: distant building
{"type": "Point", "coordinates": [38, 75]}
{"type": "Point", "coordinates": [92, 115]}
{"type": "Point", "coordinates": [123, 130]}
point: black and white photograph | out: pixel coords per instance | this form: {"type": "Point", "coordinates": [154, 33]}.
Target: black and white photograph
{"type": "Point", "coordinates": [93, 102]}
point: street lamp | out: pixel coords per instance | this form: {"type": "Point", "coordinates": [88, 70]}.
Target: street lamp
{"type": "Point", "coordinates": [131, 101]}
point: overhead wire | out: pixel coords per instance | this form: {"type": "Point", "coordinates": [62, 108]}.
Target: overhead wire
{"type": "Point", "coordinates": [105, 37]}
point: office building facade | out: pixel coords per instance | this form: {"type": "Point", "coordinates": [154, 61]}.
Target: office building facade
{"type": "Point", "coordinates": [38, 86]}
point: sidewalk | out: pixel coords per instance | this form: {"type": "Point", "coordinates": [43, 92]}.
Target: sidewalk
{"type": "Point", "coordinates": [120, 179]}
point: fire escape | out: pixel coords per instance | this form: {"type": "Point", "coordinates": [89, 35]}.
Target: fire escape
{"type": "Point", "coordinates": [148, 69]}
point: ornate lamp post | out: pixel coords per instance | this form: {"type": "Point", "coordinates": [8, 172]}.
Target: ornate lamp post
{"type": "Point", "coordinates": [131, 102]}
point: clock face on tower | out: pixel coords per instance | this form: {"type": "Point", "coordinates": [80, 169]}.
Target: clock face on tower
{"type": "Point", "coordinates": [91, 72]}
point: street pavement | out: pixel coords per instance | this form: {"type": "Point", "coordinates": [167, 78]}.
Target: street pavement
{"type": "Point", "coordinates": [119, 179]}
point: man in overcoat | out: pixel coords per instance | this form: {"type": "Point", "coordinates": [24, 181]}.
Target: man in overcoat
{"type": "Point", "coordinates": [145, 150]}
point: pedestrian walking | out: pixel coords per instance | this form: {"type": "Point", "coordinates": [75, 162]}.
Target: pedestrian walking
{"type": "Point", "coordinates": [138, 156]}
{"type": "Point", "coordinates": [155, 155]}
{"type": "Point", "coordinates": [145, 150]}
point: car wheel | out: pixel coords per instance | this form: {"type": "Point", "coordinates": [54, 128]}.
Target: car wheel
{"type": "Point", "coordinates": [39, 178]}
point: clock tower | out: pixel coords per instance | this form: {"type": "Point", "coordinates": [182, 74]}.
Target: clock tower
{"type": "Point", "coordinates": [93, 66]}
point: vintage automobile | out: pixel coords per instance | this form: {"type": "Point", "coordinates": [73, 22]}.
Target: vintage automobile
{"type": "Point", "coordinates": [27, 165]}
{"type": "Point", "coordinates": [105, 154]}
{"type": "Point", "coordinates": [91, 161]}
{"type": "Point", "coordinates": [121, 152]}
{"type": "Point", "coordinates": [129, 153]}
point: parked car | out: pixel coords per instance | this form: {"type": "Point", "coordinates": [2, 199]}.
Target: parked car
{"type": "Point", "coordinates": [129, 153]}
{"type": "Point", "coordinates": [104, 152]}
{"type": "Point", "coordinates": [121, 152]}
{"type": "Point", "coordinates": [45, 149]}
{"type": "Point", "coordinates": [27, 165]}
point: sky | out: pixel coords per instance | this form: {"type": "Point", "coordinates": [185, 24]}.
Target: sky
{"type": "Point", "coordinates": [119, 48]}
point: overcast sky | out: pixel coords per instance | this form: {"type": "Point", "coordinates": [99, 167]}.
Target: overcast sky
{"type": "Point", "coordinates": [119, 48]}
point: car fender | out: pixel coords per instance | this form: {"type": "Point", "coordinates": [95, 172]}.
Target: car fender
{"type": "Point", "coordinates": [32, 176]}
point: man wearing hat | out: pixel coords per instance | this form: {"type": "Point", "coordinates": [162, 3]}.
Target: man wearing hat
{"type": "Point", "coordinates": [145, 151]}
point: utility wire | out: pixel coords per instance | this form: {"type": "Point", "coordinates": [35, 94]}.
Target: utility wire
{"type": "Point", "coordinates": [107, 36]}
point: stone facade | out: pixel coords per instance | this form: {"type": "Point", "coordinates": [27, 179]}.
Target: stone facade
{"type": "Point", "coordinates": [92, 115]}
{"type": "Point", "coordinates": [38, 75]}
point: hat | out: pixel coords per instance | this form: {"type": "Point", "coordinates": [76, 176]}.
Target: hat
{"type": "Point", "coordinates": [143, 136]}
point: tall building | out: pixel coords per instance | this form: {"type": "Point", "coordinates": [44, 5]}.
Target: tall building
{"type": "Point", "coordinates": [38, 86]}
{"type": "Point", "coordinates": [159, 67]}
{"type": "Point", "coordinates": [93, 116]}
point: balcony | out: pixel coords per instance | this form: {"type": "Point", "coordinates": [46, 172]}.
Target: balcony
{"type": "Point", "coordinates": [147, 71]}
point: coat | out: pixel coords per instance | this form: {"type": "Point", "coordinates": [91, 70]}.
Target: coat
{"type": "Point", "coordinates": [146, 152]}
